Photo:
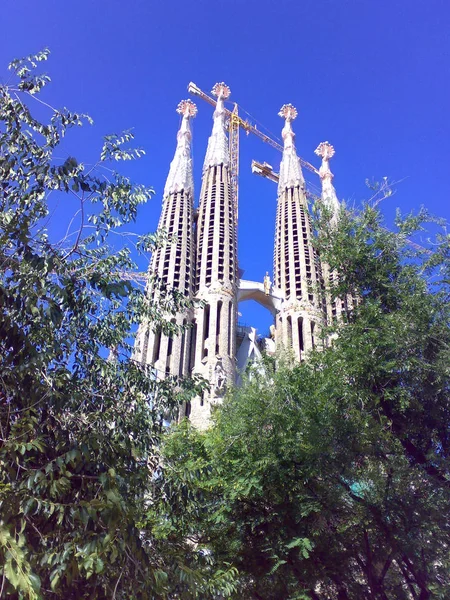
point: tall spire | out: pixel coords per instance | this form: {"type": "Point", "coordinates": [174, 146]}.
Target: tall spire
{"type": "Point", "coordinates": [180, 172]}
{"type": "Point", "coordinates": [217, 152]}
{"type": "Point", "coordinates": [326, 151]}
{"type": "Point", "coordinates": [173, 263]}
{"type": "Point", "coordinates": [297, 269]}
{"type": "Point", "coordinates": [290, 170]}
{"type": "Point", "coordinates": [215, 317]}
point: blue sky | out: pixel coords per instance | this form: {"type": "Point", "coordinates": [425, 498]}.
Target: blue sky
{"type": "Point", "coordinates": [370, 76]}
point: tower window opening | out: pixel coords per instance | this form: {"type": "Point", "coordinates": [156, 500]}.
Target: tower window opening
{"type": "Point", "coordinates": [145, 345]}
{"type": "Point", "coordinates": [182, 349]}
{"type": "Point", "coordinates": [205, 330]}
{"type": "Point", "coordinates": [313, 326]}
{"type": "Point", "coordinates": [219, 314]}
{"type": "Point", "coordinates": [289, 331]}
{"type": "Point", "coordinates": [169, 354]}
{"type": "Point", "coordinates": [193, 346]}
{"type": "Point", "coordinates": [300, 335]}
{"type": "Point", "coordinates": [230, 320]}
{"type": "Point", "coordinates": [169, 350]}
{"type": "Point", "coordinates": [156, 345]}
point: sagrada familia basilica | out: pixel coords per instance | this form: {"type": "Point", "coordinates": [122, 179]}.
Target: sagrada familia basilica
{"type": "Point", "coordinates": [203, 265]}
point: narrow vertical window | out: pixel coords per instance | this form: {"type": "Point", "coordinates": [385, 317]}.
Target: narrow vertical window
{"type": "Point", "coordinates": [156, 345]}
{"type": "Point", "coordinates": [169, 351]}
{"type": "Point", "coordinates": [145, 345]}
{"type": "Point", "coordinates": [182, 360]}
{"type": "Point", "coordinates": [289, 331]}
{"type": "Point", "coordinates": [205, 329]}
{"type": "Point", "coordinates": [219, 314]}
{"type": "Point", "coordinates": [169, 354]}
{"type": "Point", "coordinates": [300, 335]}
{"type": "Point", "coordinates": [313, 325]}
{"type": "Point", "coordinates": [193, 347]}
{"type": "Point", "coordinates": [230, 320]}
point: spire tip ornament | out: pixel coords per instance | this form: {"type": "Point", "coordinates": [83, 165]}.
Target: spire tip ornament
{"type": "Point", "coordinates": [325, 150]}
{"type": "Point", "coordinates": [217, 152]}
{"type": "Point", "coordinates": [290, 170]}
{"type": "Point", "coordinates": [288, 112]}
{"type": "Point", "coordinates": [221, 90]}
{"type": "Point", "coordinates": [180, 171]}
{"type": "Point", "coordinates": [187, 108]}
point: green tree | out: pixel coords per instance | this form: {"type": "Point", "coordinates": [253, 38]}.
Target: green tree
{"type": "Point", "coordinates": [79, 434]}
{"type": "Point", "coordinates": [331, 479]}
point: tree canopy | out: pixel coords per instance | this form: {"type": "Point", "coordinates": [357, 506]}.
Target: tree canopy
{"type": "Point", "coordinates": [79, 433]}
{"type": "Point", "coordinates": [330, 479]}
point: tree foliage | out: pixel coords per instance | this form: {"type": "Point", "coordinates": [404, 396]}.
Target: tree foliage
{"type": "Point", "coordinates": [79, 434]}
{"type": "Point", "coordinates": [330, 479]}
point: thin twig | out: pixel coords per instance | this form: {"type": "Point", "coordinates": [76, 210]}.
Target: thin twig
{"type": "Point", "coordinates": [117, 583]}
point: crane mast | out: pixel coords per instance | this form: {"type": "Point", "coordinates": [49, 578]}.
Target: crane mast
{"type": "Point", "coordinates": [234, 159]}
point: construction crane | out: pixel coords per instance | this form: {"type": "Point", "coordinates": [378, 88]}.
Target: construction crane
{"type": "Point", "coordinates": [236, 122]}
{"type": "Point", "coordinates": [266, 170]}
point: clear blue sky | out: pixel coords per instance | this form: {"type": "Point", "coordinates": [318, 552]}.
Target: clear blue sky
{"type": "Point", "coordinates": [370, 76]}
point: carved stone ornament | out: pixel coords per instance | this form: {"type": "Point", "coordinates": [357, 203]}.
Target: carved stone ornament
{"type": "Point", "coordinates": [325, 150]}
{"type": "Point", "coordinates": [267, 284]}
{"type": "Point", "coordinates": [180, 172]}
{"type": "Point", "coordinates": [187, 108]}
{"type": "Point", "coordinates": [288, 112]}
{"type": "Point", "coordinates": [220, 379]}
{"type": "Point", "coordinates": [290, 170]}
{"type": "Point", "coordinates": [217, 152]}
{"type": "Point", "coordinates": [221, 90]}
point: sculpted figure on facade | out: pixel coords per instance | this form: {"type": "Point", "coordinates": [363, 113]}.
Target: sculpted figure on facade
{"type": "Point", "coordinates": [220, 379]}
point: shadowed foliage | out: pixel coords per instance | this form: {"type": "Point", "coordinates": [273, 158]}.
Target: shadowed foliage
{"type": "Point", "coordinates": [79, 433]}
{"type": "Point", "coordinates": [330, 479]}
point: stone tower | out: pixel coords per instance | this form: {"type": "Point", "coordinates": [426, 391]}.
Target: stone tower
{"type": "Point", "coordinates": [202, 266]}
{"type": "Point", "coordinates": [214, 327]}
{"type": "Point", "coordinates": [297, 270]}
{"type": "Point", "coordinates": [326, 151]}
{"type": "Point", "coordinates": [329, 198]}
{"type": "Point", "coordinates": [173, 264]}
{"type": "Point", "coordinates": [336, 307]}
